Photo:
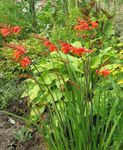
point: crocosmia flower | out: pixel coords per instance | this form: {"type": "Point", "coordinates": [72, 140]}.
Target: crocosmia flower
{"type": "Point", "coordinates": [104, 72]}
{"type": "Point", "coordinates": [24, 62]}
{"type": "Point", "coordinates": [47, 43]}
{"type": "Point", "coordinates": [17, 55]}
{"type": "Point", "coordinates": [94, 25]}
{"type": "Point", "coordinates": [79, 51]}
{"type": "Point", "coordinates": [16, 29]}
{"type": "Point", "coordinates": [52, 48]}
{"type": "Point", "coordinates": [50, 45]}
{"type": "Point", "coordinates": [65, 47]}
{"type": "Point", "coordinates": [19, 48]}
{"type": "Point", "coordinates": [85, 25]}
{"type": "Point", "coordinates": [5, 32]}
{"type": "Point", "coordinates": [19, 51]}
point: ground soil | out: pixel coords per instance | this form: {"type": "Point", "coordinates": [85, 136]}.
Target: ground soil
{"type": "Point", "coordinates": [10, 125]}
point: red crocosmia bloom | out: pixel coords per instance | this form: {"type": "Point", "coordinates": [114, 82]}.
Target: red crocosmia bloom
{"type": "Point", "coordinates": [16, 29]}
{"type": "Point", "coordinates": [82, 21]}
{"type": "Point", "coordinates": [50, 45]}
{"type": "Point", "coordinates": [77, 51]}
{"type": "Point", "coordinates": [83, 26]}
{"type": "Point", "coordinates": [19, 48]}
{"type": "Point", "coordinates": [52, 48]}
{"type": "Point", "coordinates": [87, 51]}
{"type": "Point", "coordinates": [104, 72]}
{"type": "Point", "coordinates": [77, 27]}
{"type": "Point", "coordinates": [47, 43]}
{"type": "Point", "coordinates": [65, 47]}
{"type": "Point", "coordinates": [97, 71]}
{"type": "Point", "coordinates": [17, 55]}
{"type": "Point", "coordinates": [25, 62]}
{"type": "Point", "coordinates": [80, 51]}
{"type": "Point", "coordinates": [94, 25]}
{"type": "Point", "coordinates": [5, 32]}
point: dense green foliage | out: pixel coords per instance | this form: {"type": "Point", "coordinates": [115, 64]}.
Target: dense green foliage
{"type": "Point", "coordinates": [73, 77]}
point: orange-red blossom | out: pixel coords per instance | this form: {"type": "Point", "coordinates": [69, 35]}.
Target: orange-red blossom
{"type": "Point", "coordinates": [85, 25]}
{"type": "Point", "coordinates": [66, 48]}
{"type": "Point", "coordinates": [7, 31]}
{"type": "Point", "coordinates": [24, 62]}
{"type": "Point", "coordinates": [16, 29]}
{"type": "Point", "coordinates": [104, 72]}
{"type": "Point", "coordinates": [19, 52]}
{"type": "Point", "coordinates": [47, 43]}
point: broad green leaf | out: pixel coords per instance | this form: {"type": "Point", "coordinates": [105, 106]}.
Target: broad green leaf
{"type": "Point", "coordinates": [77, 44]}
{"type": "Point", "coordinates": [96, 61]}
{"type": "Point", "coordinates": [48, 78]}
{"type": "Point", "coordinates": [34, 92]}
{"type": "Point", "coordinates": [55, 95]}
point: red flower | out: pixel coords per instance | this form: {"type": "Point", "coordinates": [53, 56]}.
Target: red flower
{"type": "Point", "coordinates": [104, 72]}
{"type": "Point", "coordinates": [25, 62]}
{"type": "Point", "coordinates": [80, 51]}
{"type": "Point", "coordinates": [52, 48]}
{"type": "Point", "coordinates": [47, 43]}
{"type": "Point", "coordinates": [81, 21]}
{"type": "Point", "coordinates": [77, 51]}
{"type": "Point", "coordinates": [87, 50]}
{"type": "Point", "coordinates": [16, 29]}
{"type": "Point", "coordinates": [17, 55]}
{"type": "Point", "coordinates": [85, 25]}
{"type": "Point", "coordinates": [19, 48]}
{"type": "Point", "coordinates": [97, 71]}
{"type": "Point", "coordinates": [65, 47]}
{"type": "Point", "coordinates": [5, 32]}
{"type": "Point", "coordinates": [82, 25]}
{"type": "Point", "coordinates": [50, 45]}
{"type": "Point", "coordinates": [94, 25]}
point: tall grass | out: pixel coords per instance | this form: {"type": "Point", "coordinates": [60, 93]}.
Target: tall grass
{"type": "Point", "coordinates": [84, 124]}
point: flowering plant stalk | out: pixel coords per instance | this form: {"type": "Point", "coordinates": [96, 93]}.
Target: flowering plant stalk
{"type": "Point", "coordinates": [70, 97]}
